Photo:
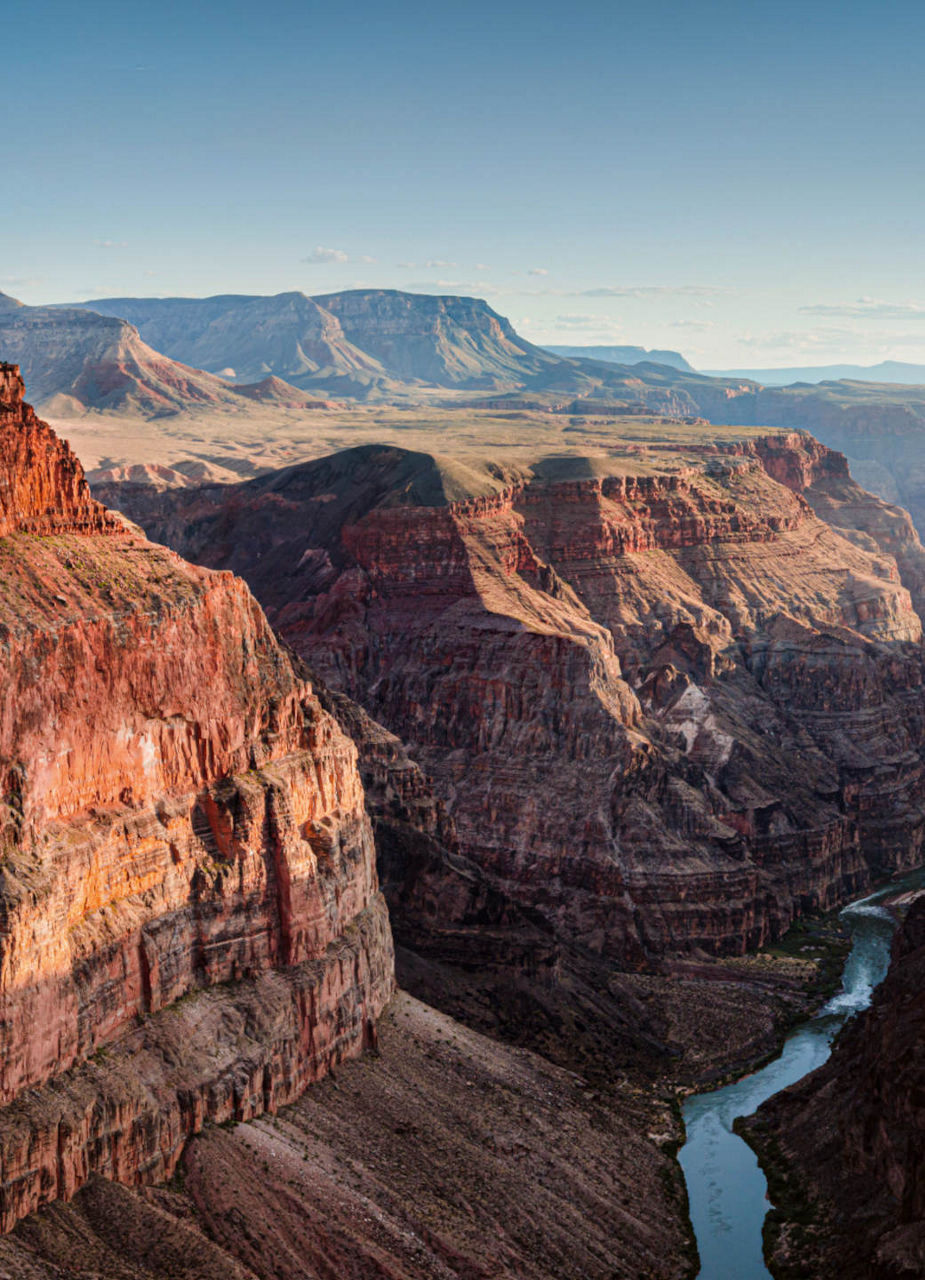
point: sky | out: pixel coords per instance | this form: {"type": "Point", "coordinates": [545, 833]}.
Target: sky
{"type": "Point", "coordinates": [743, 182]}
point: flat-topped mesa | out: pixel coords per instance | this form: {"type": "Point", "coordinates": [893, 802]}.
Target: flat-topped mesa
{"type": "Point", "coordinates": [177, 812]}
{"type": "Point", "coordinates": [42, 485]}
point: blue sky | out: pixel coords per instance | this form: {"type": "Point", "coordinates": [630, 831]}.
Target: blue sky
{"type": "Point", "coordinates": [743, 182]}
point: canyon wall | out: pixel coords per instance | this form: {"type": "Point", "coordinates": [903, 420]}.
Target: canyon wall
{"type": "Point", "coordinates": [666, 704]}
{"type": "Point", "coordinates": [178, 813]}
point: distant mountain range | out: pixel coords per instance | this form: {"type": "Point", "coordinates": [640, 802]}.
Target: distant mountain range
{"type": "Point", "coordinates": [625, 355]}
{"type": "Point", "coordinates": [359, 343]}
{"type": "Point", "coordinates": [892, 371]}
{"type": "Point", "coordinates": [74, 359]}
{"type": "Point", "coordinates": [150, 357]}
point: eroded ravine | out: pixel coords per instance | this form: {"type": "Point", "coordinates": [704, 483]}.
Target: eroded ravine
{"type": "Point", "coordinates": [726, 1188]}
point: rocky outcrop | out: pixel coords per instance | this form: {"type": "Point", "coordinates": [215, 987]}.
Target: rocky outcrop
{"type": "Point", "coordinates": [177, 812]}
{"type": "Point", "coordinates": [286, 336]}
{"type": "Point", "coordinates": [227, 1055]}
{"type": "Point", "coordinates": [42, 487]}
{"type": "Point", "coordinates": [391, 345]}
{"type": "Point", "coordinates": [624, 355]}
{"type": "Point", "coordinates": [879, 426]}
{"type": "Point", "coordinates": [362, 341]}
{"type": "Point", "coordinates": [845, 1148]}
{"type": "Point", "coordinates": [664, 707]}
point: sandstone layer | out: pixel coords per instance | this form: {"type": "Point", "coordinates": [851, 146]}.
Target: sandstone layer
{"type": "Point", "coordinates": [177, 812]}
{"type": "Point", "coordinates": [666, 707]}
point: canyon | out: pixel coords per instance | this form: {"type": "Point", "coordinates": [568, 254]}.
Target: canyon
{"type": "Point", "coordinates": [175, 379]}
{"type": "Point", "coordinates": [669, 704]}
{"type": "Point", "coordinates": [601, 724]}
{"type": "Point", "coordinates": [191, 933]}
{"type": "Point", "coordinates": [843, 1148]}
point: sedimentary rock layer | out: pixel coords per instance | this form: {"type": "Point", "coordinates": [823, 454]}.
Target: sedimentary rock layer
{"type": "Point", "coordinates": [446, 1157]}
{"type": "Point", "coordinates": [225, 1054]}
{"type": "Point", "coordinates": [663, 706]}
{"type": "Point", "coordinates": [177, 811]}
{"type": "Point", "coordinates": [478, 952]}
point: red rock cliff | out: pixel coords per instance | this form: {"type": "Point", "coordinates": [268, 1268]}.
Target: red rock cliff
{"type": "Point", "coordinates": [42, 487]}
{"type": "Point", "coordinates": [177, 811]}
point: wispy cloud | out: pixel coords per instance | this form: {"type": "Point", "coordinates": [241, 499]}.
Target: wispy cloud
{"type": "Point", "coordinates": [580, 329]}
{"type": "Point", "coordinates": [867, 309]}
{"type": "Point", "coordinates": [537, 271]}
{"type": "Point", "coordinates": [799, 340]}
{"type": "Point", "coordinates": [695, 326]}
{"type": "Point", "coordinates": [652, 291]}
{"type": "Point", "coordinates": [601, 325]}
{"type": "Point", "coordinates": [438, 264]}
{"type": "Point", "coordinates": [321, 255]}
{"type": "Point", "coordinates": [475, 287]}
{"type": "Point", "coordinates": [111, 244]}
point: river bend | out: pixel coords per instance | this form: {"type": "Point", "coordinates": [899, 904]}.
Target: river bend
{"type": "Point", "coordinates": [726, 1189]}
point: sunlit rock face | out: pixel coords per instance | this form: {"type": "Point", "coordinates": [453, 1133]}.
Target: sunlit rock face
{"type": "Point", "coordinates": [177, 811]}
{"type": "Point", "coordinates": [665, 706]}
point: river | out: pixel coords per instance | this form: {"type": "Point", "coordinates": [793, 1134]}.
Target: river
{"type": "Point", "coordinates": [726, 1188]}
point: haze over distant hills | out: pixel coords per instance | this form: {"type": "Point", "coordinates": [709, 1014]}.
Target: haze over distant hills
{"type": "Point", "coordinates": [76, 360]}
{"type": "Point", "coordinates": [625, 355]}
{"type": "Point", "coordinates": [356, 343]}
{"type": "Point", "coordinates": [893, 371]}
{"type": "Point", "coordinates": [390, 346]}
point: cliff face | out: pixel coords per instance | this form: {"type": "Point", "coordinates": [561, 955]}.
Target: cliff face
{"type": "Point", "coordinates": [177, 811]}
{"type": "Point", "coordinates": [42, 489]}
{"type": "Point", "coordinates": [879, 426]}
{"type": "Point", "coordinates": [845, 1147]}
{"type": "Point", "coordinates": [664, 707]}
{"type": "Point", "coordinates": [624, 355]}
{"type": "Point", "coordinates": [477, 950]}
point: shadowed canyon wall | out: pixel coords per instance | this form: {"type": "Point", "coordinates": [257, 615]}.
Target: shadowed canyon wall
{"type": "Point", "coordinates": [665, 707]}
{"type": "Point", "coordinates": [845, 1148]}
